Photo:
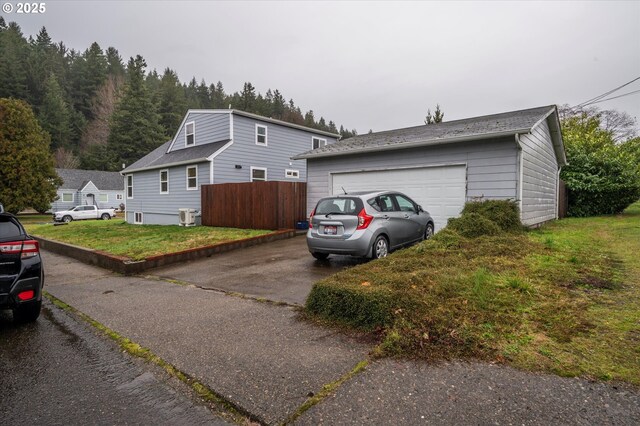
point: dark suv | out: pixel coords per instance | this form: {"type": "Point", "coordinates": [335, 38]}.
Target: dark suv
{"type": "Point", "coordinates": [21, 272]}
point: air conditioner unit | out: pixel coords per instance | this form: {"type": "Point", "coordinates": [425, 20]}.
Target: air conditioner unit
{"type": "Point", "coordinates": [187, 217]}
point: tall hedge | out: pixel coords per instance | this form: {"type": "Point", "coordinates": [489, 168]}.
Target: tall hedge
{"type": "Point", "coordinates": [602, 176]}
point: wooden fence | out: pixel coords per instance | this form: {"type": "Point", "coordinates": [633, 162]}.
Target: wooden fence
{"type": "Point", "coordinates": [254, 205]}
{"type": "Point", "coordinates": [563, 199]}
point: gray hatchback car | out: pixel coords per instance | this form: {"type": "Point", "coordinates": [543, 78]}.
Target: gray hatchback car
{"type": "Point", "coordinates": [366, 224]}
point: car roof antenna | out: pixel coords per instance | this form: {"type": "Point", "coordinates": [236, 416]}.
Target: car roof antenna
{"type": "Point", "coordinates": [345, 192]}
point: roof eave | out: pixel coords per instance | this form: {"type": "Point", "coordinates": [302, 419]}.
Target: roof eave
{"type": "Point", "coordinates": [417, 144]}
{"type": "Point", "coordinates": [164, 166]}
{"type": "Point", "coordinates": [287, 124]}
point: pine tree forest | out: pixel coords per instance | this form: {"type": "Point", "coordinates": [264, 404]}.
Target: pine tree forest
{"type": "Point", "coordinates": [102, 113]}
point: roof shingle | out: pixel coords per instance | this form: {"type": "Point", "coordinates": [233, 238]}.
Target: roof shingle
{"type": "Point", "coordinates": [77, 179]}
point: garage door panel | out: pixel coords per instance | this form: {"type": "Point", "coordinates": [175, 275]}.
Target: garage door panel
{"type": "Point", "coordinates": [440, 190]}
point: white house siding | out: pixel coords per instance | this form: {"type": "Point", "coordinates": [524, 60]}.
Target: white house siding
{"type": "Point", "coordinates": [539, 176]}
{"type": "Point", "coordinates": [210, 127]}
{"type": "Point", "coordinates": [282, 144]}
{"type": "Point", "coordinates": [491, 167]}
{"type": "Point", "coordinates": [162, 209]}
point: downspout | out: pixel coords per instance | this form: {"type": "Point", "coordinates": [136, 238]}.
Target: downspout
{"type": "Point", "coordinates": [557, 191]}
{"type": "Point", "coordinates": [520, 173]}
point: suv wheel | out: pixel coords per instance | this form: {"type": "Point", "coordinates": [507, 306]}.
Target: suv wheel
{"type": "Point", "coordinates": [380, 248]}
{"type": "Point", "coordinates": [428, 233]}
{"type": "Point", "coordinates": [27, 312]}
{"type": "Point", "coordinates": [320, 256]}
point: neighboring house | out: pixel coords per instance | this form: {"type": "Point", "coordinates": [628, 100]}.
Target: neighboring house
{"type": "Point", "coordinates": [514, 155]}
{"type": "Point", "coordinates": [88, 187]}
{"type": "Point", "coordinates": [215, 146]}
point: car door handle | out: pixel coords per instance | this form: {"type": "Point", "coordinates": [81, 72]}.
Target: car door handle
{"type": "Point", "coordinates": [406, 216]}
{"type": "Point", "coordinates": [385, 217]}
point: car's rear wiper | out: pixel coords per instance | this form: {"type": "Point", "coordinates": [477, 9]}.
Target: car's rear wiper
{"type": "Point", "coordinates": [330, 213]}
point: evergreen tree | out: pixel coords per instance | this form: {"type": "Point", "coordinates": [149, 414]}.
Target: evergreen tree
{"type": "Point", "coordinates": [248, 97]}
{"type": "Point", "coordinates": [219, 97]}
{"type": "Point", "coordinates": [332, 127]}
{"type": "Point", "coordinates": [309, 119]}
{"type": "Point", "coordinates": [279, 105]}
{"type": "Point", "coordinates": [27, 175]}
{"type": "Point", "coordinates": [90, 71]}
{"type": "Point", "coordinates": [54, 115]}
{"type": "Point", "coordinates": [172, 104]}
{"type": "Point", "coordinates": [191, 94]}
{"type": "Point", "coordinates": [203, 95]}
{"type": "Point", "coordinates": [14, 51]}
{"type": "Point", "coordinates": [436, 118]}
{"type": "Point", "coordinates": [135, 129]}
{"type": "Point", "coordinates": [114, 62]}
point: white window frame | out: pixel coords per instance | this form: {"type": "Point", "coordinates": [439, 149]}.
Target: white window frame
{"type": "Point", "coordinates": [187, 176]}
{"type": "Point", "coordinates": [129, 186]}
{"type": "Point", "coordinates": [135, 218]}
{"type": "Point", "coordinates": [292, 174]}
{"type": "Point", "coordinates": [119, 196]}
{"type": "Point", "coordinates": [100, 200]}
{"type": "Point", "coordinates": [67, 201]}
{"type": "Point", "coordinates": [266, 133]}
{"type": "Point", "coordinates": [186, 134]}
{"type": "Point", "coordinates": [321, 142]}
{"type": "Point", "coordinates": [167, 181]}
{"type": "Point", "coordinates": [259, 168]}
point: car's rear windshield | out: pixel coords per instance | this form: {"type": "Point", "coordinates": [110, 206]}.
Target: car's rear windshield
{"type": "Point", "coordinates": [339, 205]}
{"type": "Point", "coordinates": [9, 228]}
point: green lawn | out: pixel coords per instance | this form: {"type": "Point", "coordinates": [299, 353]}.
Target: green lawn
{"type": "Point", "coordinates": [138, 241]}
{"type": "Point", "coordinates": [564, 298]}
{"type": "Point", "coordinates": [27, 219]}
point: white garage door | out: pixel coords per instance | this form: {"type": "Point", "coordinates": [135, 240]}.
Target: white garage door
{"type": "Point", "coordinates": [439, 190]}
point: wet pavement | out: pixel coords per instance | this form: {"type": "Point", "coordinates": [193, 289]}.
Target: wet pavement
{"type": "Point", "coordinates": [282, 271]}
{"type": "Point", "coordinates": [57, 371]}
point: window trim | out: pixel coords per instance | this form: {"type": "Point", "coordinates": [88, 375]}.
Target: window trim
{"type": "Point", "coordinates": [167, 181]}
{"type": "Point", "coordinates": [135, 217]}
{"type": "Point", "coordinates": [129, 187]}
{"type": "Point", "coordinates": [186, 125]}
{"type": "Point", "coordinates": [292, 171]}
{"type": "Point", "coordinates": [266, 133]}
{"type": "Point", "coordinates": [106, 195]}
{"type": "Point", "coordinates": [65, 201]}
{"type": "Point", "coordinates": [321, 142]}
{"type": "Point", "coordinates": [259, 168]}
{"type": "Point", "coordinates": [187, 176]}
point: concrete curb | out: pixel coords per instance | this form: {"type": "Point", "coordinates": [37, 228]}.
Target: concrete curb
{"type": "Point", "coordinates": [126, 266]}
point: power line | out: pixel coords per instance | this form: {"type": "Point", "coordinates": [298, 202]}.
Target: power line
{"type": "Point", "coordinates": [599, 97]}
{"type": "Point", "coordinates": [616, 97]}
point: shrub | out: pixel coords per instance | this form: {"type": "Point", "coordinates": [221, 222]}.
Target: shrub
{"type": "Point", "coordinates": [504, 213]}
{"type": "Point", "coordinates": [473, 225]}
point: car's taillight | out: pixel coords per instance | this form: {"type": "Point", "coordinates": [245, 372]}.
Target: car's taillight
{"type": "Point", "coordinates": [311, 218]}
{"type": "Point", "coordinates": [364, 219]}
{"type": "Point", "coordinates": [27, 249]}
{"type": "Point", "coordinates": [26, 295]}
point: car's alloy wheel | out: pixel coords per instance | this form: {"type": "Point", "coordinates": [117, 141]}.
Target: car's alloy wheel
{"type": "Point", "coordinates": [380, 248]}
{"type": "Point", "coordinates": [105, 216]}
{"type": "Point", "coordinates": [428, 233]}
{"type": "Point", "coordinates": [67, 219]}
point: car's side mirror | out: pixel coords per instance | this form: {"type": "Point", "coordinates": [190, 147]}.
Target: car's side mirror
{"type": "Point", "coordinates": [420, 209]}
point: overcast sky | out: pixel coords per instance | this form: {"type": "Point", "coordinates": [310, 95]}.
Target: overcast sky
{"type": "Point", "coordinates": [374, 65]}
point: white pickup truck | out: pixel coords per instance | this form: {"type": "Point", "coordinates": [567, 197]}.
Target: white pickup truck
{"type": "Point", "coordinates": [83, 212]}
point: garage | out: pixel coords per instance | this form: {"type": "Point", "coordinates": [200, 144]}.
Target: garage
{"type": "Point", "coordinates": [440, 190]}
{"type": "Point", "coordinates": [515, 155]}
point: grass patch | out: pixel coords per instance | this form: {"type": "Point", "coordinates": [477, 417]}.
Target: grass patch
{"type": "Point", "coordinates": [138, 241]}
{"type": "Point", "coordinates": [564, 298]}
{"type": "Point", "coordinates": [31, 219]}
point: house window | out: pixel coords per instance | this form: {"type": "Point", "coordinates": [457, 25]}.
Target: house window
{"type": "Point", "coordinates": [137, 218]}
{"type": "Point", "coordinates": [192, 178]}
{"type": "Point", "coordinates": [119, 197]}
{"type": "Point", "coordinates": [261, 135]}
{"type": "Point", "coordinates": [164, 181]}
{"type": "Point", "coordinates": [292, 174]}
{"type": "Point", "coordinates": [67, 197]}
{"type": "Point", "coordinates": [258, 174]}
{"type": "Point", "coordinates": [103, 198]}
{"type": "Point", "coordinates": [129, 186]}
{"type": "Point", "coordinates": [190, 134]}
{"type": "Point", "coordinates": [317, 142]}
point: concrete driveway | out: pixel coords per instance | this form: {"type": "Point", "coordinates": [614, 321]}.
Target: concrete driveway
{"type": "Point", "coordinates": [281, 271]}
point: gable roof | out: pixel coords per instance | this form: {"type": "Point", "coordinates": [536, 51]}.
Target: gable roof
{"type": "Point", "coordinates": [78, 179]}
{"type": "Point", "coordinates": [484, 127]}
{"type": "Point", "coordinates": [160, 158]}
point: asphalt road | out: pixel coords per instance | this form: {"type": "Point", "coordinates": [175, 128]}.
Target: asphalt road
{"type": "Point", "coordinates": [58, 371]}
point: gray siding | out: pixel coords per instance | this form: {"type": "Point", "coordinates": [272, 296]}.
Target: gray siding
{"type": "Point", "coordinates": [210, 127]}
{"type": "Point", "coordinates": [539, 176]}
{"type": "Point", "coordinates": [492, 167]}
{"type": "Point", "coordinates": [163, 208]}
{"type": "Point", "coordinates": [282, 143]}
{"type": "Point", "coordinates": [59, 205]}
{"type": "Point", "coordinates": [80, 198]}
